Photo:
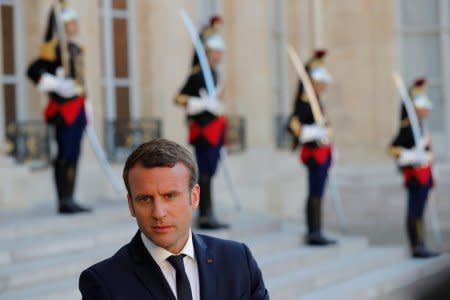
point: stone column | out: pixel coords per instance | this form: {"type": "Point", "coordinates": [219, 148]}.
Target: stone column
{"type": "Point", "coordinates": [90, 38]}
{"type": "Point", "coordinates": [168, 63]}
{"type": "Point", "coordinates": [361, 101]}
{"type": "Point", "coordinates": [35, 16]}
{"type": "Point", "coordinates": [2, 100]}
{"type": "Point", "coordinates": [248, 76]}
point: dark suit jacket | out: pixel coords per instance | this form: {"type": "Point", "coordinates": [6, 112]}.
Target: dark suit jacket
{"type": "Point", "coordinates": [227, 271]}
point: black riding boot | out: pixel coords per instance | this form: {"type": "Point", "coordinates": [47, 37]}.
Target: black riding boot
{"type": "Point", "coordinates": [416, 235]}
{"type": "Point", "coordinates": [206, 219]}
{"type": "Point", "coordinates": [65, 174]}
{"type": "Point", "coordinates": [313, 218]}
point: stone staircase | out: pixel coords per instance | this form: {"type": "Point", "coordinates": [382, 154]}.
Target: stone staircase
{"type": "Point", "coordinates": [12, 175]}
{"type": "Point", "coordinates": [42, 255]}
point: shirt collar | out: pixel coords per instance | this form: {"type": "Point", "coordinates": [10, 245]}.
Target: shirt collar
{"type": "Point", "coordinates": [160, 254]}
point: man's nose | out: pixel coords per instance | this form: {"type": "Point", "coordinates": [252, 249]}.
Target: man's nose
{"type": "Point", "coordinates": [159, 208]}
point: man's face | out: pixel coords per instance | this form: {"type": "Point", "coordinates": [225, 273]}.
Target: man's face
{"type": "Point", "coordinates": [218, 25]}
{"type": "Point", "coordinates": [422, 112]}
{"type": "Point", "coordinates": [215, 56]}
{"type": "Point", "coordinates": [71, 28]}
{"type": "Point", "coordinates": [319, 86]}
{"type": "Point", "coordinates": [162, 204]}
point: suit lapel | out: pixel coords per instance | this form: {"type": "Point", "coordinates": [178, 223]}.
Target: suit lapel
{"type": "Point", "coordinates": [206, 268]}
{"type": "Point", "coordinates": [148, 271]}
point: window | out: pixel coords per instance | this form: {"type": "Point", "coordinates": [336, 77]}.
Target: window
{"type": "Point", "coordinates": [11, 76]}
{"type": "Point", "coordinates": [118, 65]}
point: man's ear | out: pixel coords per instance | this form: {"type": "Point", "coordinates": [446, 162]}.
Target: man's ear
{"type": "Point", "coordinates": [195, 196]}
{"type": "Point", "coordinates": [130, 205]}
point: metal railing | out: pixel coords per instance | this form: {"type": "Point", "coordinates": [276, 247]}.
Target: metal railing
{"type": "Point", "coordinates": [236, 134]}
{"type": "Point", "coordinates": [282, 136]}
{"type": "Point", "coordinates": [123, 135]}
{"type": "Point", "coordinates": [30, 141]}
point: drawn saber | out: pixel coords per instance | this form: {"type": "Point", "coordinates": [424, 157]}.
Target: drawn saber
{"type": "Point", "coordinates": [418, 142]}
{"type": "Point", "coordinates": [301, 71]}
{"type": "Point", "coordinates": [93, 140]}
{"type": "Point", "coordinates": [206, 70]}
{"type": "Point", "coordinates": [434, 220]}
{"type": "Point", "coordinates": [101, 156]}
{"type": "Point", "coordinates": [318, 117]}
{"type": "Point", "coordinates": [211, 90]}
{"type": "Point", "coordinates": [410, 111]}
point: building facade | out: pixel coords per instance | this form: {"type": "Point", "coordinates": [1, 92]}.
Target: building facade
{"type": "Point", "coordinates": [138, 53]}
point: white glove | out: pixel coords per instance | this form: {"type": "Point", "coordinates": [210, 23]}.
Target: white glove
{"type": "Point", "coordinates": [66, 88]}
{"type": "Point", "coordinates": [89, 110]}
{"type": "Point", "coordinates": [413, 157]}
{"type": "Point", "coordinates": [312, 133]}
{"type": "Point", "coordinates": [196, 105]}
{"type": "Point", "coordinates": [213, 104]}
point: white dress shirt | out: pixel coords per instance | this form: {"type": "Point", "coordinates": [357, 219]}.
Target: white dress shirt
{"type": "Point", "coordinates": [160, 255]}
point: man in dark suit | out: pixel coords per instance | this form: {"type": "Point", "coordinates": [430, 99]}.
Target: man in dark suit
{"type": "Point", "coordinates": [165, 260]}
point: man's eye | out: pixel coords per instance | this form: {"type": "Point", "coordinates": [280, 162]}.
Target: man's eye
{"type": "Point", "coordinates": [171, 195]}
{"type": "Point", "coordinates": [144, 198]}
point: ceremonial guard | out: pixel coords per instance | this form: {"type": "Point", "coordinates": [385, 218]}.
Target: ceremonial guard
{"type": "Point", "coordinates": [313, 135]}
{"type": "Point", "coordinates": [414, 160]}
{"type": "Point", "coordinates": [206, 128]}
{"type": "Point", "coordinates": [59, 72]}
{"type": "Point", "coordinates": [212, 28]}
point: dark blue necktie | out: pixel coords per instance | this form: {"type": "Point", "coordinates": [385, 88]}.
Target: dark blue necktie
{"type": "Point", "coordinates": [183, 285]}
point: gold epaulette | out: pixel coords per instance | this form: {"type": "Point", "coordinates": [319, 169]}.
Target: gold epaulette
{"type": "Point", "coordinates": [304, 98]}
{"type": "Point", "coordinates": [181, 99]}
{"type": "Point", "coordinates": [210, 30]}
{"type": "Point", "coordinates": [295, 126]}
{"type": "Point", "coordinates": [404, 123]}
{"type": "Point", "coordinates": [195, 69]}
{"type": "Point", "coordinates": [48, 50]}
{"type": "Point", "coordinates": [395, 151]}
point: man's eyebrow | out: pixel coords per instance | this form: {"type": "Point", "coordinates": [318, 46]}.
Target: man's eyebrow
{"type": "Point", "coordinates": [141, 196]}
{"type": "Point", "coordinates": [174, 191]}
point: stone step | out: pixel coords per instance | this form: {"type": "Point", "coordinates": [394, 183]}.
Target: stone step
{"type": "Point", "coordinates": [91, 185]}
{"type": "Point", "coordinates": [13, 195]}
{"type": "Point", "coordinates": [66, 289]}
{"type": "Point", "coordinates": [68, 254]}
{"type": "Point", "coordinates": [26, 240]}
{"type": "Point", "coordinates": [270, 247]}
{"type": "Point", "coordinates": [306, 256]}
{"type": "Point", "coordinates": [27, 273]}
{"type": "Point", "coordinates": [78, 240]}
{"type": "Point", "coordinates": [6, 161]}
{"type": "Point", "coordinates": [304, 280]}
{"type": "Point", "coordinates": [43, 223]}
{"type": "Point", "coordinates": [382, 281]}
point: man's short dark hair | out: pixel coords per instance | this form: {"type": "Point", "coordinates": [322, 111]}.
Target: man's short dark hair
{"type": "Point", "coordinates": [161, 153]}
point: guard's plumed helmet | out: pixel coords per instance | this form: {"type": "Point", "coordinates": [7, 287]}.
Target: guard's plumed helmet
{"type": "Point", "coordinates": [316, 67]}
{"type": "Point", "coordinates": [215, 42]}
{"type": "Point", "coordinates": [69, 14]}
{"type": "Point", "coordinates": [215, 19]}
{"type": "Point", "coordinates": [418, 94]}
